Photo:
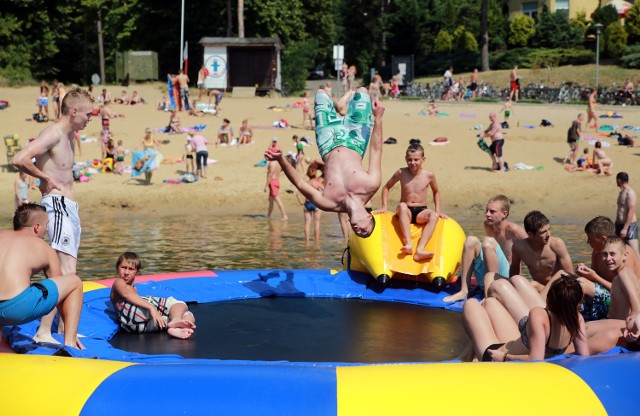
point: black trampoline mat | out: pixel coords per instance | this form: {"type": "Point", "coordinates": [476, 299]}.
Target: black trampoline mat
{"type": "Point", "coordinates": [310, 330]}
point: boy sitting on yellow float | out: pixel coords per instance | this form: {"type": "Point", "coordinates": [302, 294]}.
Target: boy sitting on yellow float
{"type": "Point", "coordinates": [412, 209]}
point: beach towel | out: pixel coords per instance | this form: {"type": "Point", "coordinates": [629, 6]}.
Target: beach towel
{"type": "Point", "coordinates": [483, 145]}
{"type": "Point", "coordinates": [464, 115]}
{"type": "Point", "coordinates": [152, 163]}
{"type": "Point", "coordinates": [529, 126]}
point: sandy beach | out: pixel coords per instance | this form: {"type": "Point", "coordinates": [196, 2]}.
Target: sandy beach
{"type": "Point", "coordinates": [235, 185]}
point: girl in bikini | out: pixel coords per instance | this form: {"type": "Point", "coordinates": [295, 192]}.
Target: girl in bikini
{"type": "Point", "coordinates": [246, 133]}
{"type": "Point", "coordinates": [306, 111]}
{"type": "Point", "coordinates": [542, 332]}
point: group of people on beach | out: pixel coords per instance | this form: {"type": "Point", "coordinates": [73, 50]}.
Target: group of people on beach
{"type": "Point", "coordinates": [581, 309]}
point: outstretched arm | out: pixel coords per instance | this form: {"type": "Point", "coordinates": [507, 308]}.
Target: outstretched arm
{"type": "Point", "coordinates": [385, 191]}
{"type": "Point", "coordinates": [311, 193]}
{"type": "Point", "coordinates": [375, 153]}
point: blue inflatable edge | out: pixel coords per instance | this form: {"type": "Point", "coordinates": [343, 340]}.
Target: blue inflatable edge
{"type": "Point", "coordinates": [608, 375]}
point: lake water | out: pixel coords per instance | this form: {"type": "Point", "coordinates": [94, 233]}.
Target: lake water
{"type": "Point", "coordinates": [183, 243]}
{"type": "Point", "coordinates": [178, 243]}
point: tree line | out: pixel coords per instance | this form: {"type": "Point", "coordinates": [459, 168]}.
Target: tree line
{"type": "Point", "coordinates": [41, 39]}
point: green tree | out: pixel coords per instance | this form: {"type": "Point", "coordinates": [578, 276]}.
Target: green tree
{"type": "Point", "coordinates": [605, 15]}
{"type": "Point", "coordinates": [554, 31]}
{"type": "Point", "coordinates": [521, 29]}
{"type": "Point", "coordinates": [443, 42]}
{"type": "Point", "coordinates": [464, 40]}
{"type": "Point", "coordinates": [632, 24]}
{"type": "Point", "coordinates": [616, 39]}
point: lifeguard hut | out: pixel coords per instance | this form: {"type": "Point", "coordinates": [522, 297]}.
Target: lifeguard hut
{"type": "Point", "coordinates": [251, 65]}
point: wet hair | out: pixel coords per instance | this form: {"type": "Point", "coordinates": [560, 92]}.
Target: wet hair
{"type": "Point", "coordinates": [600, 226]}
{"type": "Point", "coordinates": [504, 202]}
{"type": "Point", "coordinates": [565, 294]}
{"type": "Point", "coordinates": [373, 227]}
{"type": "Point", "coordinates": [535, 220]}
{"type": "Point", "coordinates": [25, 215]}
{"type": "Point", "coordinates": [598, 145]}
{"type": "Point", "coordinates": [74, 96]}
{"type": "Point", "coordinates": [312, 171]}
{"type": "Point", "coordinates": [415, 147]}
{"type": "Point", "coordinates": [616, 241]}
{"type": "Point", "coordinates": [131, 257]}
{"type": "Point", "coordinates": [622, 177]}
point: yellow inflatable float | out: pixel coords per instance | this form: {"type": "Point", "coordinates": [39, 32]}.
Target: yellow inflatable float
{"type": "Point", "coordinates": [380, 255]}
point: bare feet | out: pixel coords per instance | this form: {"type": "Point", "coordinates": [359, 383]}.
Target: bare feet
{"type": "Point", "coordinates": [456, 297]}
{"type": "Point", "coordinates": [182, 333]}
{"type": "Point", "coordinates": [38, 338]}
{"type": "Point", "coordinates": [407, 249]}
{"type": "Point", "coordinates": [77, 344]}
{"type": "Point", "coordinates": [423, 255]}
{"type": "Point", "coordinates": [181, 323]}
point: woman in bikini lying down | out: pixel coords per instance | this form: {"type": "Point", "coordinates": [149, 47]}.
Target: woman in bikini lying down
{"type": "Point", "coordinates": [544, 332]}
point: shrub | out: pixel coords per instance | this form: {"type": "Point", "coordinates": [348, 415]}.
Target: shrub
{"type": "Point", "coordinates": [295, 58]}
{"type": "Point", "coordinates": [616, 39]}
{"type": "Point", "coordinates": [443, 43]}
{"type": "Point", "coordinates": [536, 58]}
{"type": "Point", "coordinates": [631, 57]}
{"type": "Point", "coordinates": [521, 30]}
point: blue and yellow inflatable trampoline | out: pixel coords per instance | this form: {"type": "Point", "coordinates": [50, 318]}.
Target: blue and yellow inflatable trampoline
{"type": "Point", "coordinates": [103, 380]}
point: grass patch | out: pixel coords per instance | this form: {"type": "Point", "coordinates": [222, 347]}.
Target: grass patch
{"type": "Point", "coordinates": [485, 100]}
{"type": "Point", "coordinates": [532, 101]}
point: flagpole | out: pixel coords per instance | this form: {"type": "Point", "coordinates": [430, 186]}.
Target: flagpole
{"type": "Point", "coordinates": [182, 37]}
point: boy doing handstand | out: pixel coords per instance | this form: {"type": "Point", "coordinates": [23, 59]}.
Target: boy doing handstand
{"type": "Point", "coordinates": [140, 314]}
{"type": "Point", "coordinates": [412, 209]}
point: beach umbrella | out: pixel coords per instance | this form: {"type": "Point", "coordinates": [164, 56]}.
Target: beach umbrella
{"type": "Point", "coordinates": [622, 7]}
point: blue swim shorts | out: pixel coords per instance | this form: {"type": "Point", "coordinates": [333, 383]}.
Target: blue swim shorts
{"type": "Point", "coordinates": [479, 269]}
{"type": "Point", "coordinates": [352, 131]}
{"type": "Point", "coordinates": [632, 232]}
{"type": "Point", "coordinates": [34, 302]}
{"type": "Point", "coordinates": [598, 307]}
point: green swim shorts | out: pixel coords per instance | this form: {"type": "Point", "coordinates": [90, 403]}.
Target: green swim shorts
{"type": "Point", "coordinates": [352, 131]}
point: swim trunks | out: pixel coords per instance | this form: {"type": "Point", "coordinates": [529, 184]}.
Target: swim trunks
{"type": "Point", "coordinates": [138, 320]}
{"type": "Point", "coordinates": [43, 101]}
{"type": "Point", "coordinates": [414, 213]}
{"type": "Point", "coordinates": [514, 85]}
{"type": "Point", "coordinates": [632, 232]}
{"type": "Point", "coordinates": [507, 113]}
{"type": "Point", "coordinates": [64, 224]}
{"type": "Point", "coordinates": [119, 158]}
{"type": "Point", "coordinates": [598, 307]}
{"type": "Point", "coordinates": [184, 93]}
{"type": "Point", "coordinates": [352, 131]}
{"type": "Point", "coordinates": [479, 269]}
{"type": "Point", "coordinates": [32, 303]}
{"type": "Point", "coordinates": [473, 86]}
{"type": "Point", "coordinates": [274, 187]}
{"type": "Point", "coordinates": [496, 147]}
{"type": "Point", "coordinates": [310, 206]}
{"type": "Point", "coordinates": [105, 122]}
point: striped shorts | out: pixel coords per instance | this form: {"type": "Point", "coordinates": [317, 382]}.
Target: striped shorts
{"type": "Point", "coordinates": [64, 224]}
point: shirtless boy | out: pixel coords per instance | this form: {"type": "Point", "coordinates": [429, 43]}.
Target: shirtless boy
{"type": "Point", "coordinates": [54, 154]}
{"type": "Point", "coordinates": [626, 220]}
{"type": "Point", "coordinates": [514, 84]}
{"type": "Point", "coordinates": [141, 314]}
{"type": "Point", "coordinates": [272, 186]}
{"type": "Point", "coordinates": [493, 254]}
{"type": "Point", "coordinates": [183, 83]}
{"type": "Point", "coordinates": [596, 280]}
{"type": "Point", "coordinates": [494, 132]}
{"type": "Point", "coordinates": [342, 142]}
{"type": "Point", "coordinates": [412, 209]}
{"type": "Point", "coordinates": [625, 297]}
{"type": "Point", "coordinates": [23, 253]}
{"type": "Point", "coordinates": [545, 256]}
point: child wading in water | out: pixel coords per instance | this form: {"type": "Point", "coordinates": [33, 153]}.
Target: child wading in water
{"type": "Point", "coordinates": [412, 209]}
{"type": "Point", "coordinates": [140, 314]}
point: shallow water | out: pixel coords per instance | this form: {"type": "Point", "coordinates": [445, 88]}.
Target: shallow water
{"type": "Point", "coordinates": [182, 243]}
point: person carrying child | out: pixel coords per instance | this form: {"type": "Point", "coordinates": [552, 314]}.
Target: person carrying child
{"type": "Point", "coordinates": [412, 209]}
{"type": "Point", "coordinates": [142, 314]}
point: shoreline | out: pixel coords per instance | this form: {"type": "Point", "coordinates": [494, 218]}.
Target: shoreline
{"type": "Point", "coordinates": [461, 169]}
